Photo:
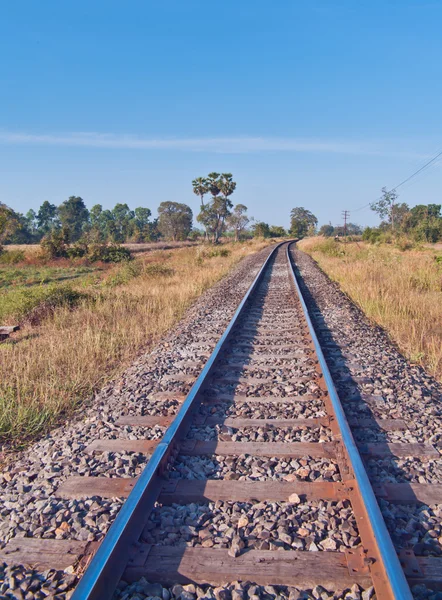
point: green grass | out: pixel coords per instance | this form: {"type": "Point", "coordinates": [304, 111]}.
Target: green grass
{"type": "Point", "coordinates": [26, 287]}
{"type": "Point", "coordinates": [30, 275]}
{"type": "Point", "coordinates": [22, 303]}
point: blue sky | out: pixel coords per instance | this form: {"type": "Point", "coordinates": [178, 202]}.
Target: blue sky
{"type": "Point", "coordinates": [308, 103]}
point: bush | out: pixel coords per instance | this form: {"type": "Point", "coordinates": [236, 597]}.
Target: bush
{"type": "Point", "coordinates": [404, 243]}
{"type": "Point", "coordinates": [78, 250]}
{"type": "Point", "coordinates": [109, 253]}
{"type": "Point", "coordinates": [54, 244]}
{"type": "Point", "coordinates": [371, 235]}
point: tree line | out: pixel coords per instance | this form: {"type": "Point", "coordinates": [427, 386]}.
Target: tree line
{"type": "Point", "coordinates": [72, 221]}
{"type": "Point", "coordinates": [422, 223]}
{"type": "Point", "coordinates": [118, 225]}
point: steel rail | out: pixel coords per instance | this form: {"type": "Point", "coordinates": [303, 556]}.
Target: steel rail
{"type": "Point", "coordinates": [107, 565]}
{"type": "Point", "coordinates": [394, 573]}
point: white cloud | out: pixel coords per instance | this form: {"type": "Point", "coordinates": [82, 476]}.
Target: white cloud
{"type": "Point", "coordinates": [226, 145]}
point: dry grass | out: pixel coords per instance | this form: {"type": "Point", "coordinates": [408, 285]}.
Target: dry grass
{"type": "Point", "coordinates": [35, 249]}
{"type": "Point", "coordinates": [401, 291]}
{"type": "Point", "coordinates": [49, 370]}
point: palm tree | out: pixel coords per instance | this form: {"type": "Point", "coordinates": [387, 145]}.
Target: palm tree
{"type": "Point", "coordinates": [226, 185]}
{"type": "Point", "coordinates": [213, 181]}
{"type": "Point", "coordinates": [200, 188]}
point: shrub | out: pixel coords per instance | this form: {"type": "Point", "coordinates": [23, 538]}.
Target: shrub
{"type": "Point", "coordinates": [371, 235]}
{"type": "Point", "coordinates": [109, 253]}
{"type": "Point", "coordinates": [54, 244]}
{"type": "Point", "coordinates": [78, 250]}
{"type": "Point", "coordinates": [404, 243]}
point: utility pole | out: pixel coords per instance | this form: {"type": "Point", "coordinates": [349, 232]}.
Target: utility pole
{"type": "Point", "coordinates": [345, 214]}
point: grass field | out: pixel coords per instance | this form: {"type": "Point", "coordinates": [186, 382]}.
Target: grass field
{"type": "Point", "coordinates": [401, 291]}
{"type": "Point", "coordinates": [84, 325]}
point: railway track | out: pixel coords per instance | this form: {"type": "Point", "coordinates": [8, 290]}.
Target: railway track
{"type": "Point", "coordinates": [257, 477]}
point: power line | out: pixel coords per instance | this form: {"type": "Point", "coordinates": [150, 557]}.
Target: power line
{"type": "Point", "coordinates": [425, 166]}
{"type": "Point", "coordinates": [419, 170]}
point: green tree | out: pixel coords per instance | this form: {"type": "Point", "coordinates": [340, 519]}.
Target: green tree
{"type": "Point", "coordinates": [214, 214]}
{"type": "Point", "coordinates": [213, 181]}
{"type": "Point", "coordinates": [422, 212]}
{"type": "Point", "coordinates": [400, 212]}
{"type": "Point", "coordinates": [174, 220]}
{"type": "Point", "coordinates": [142, 216]}
{"type": "Point", "coordinates": [142, 225]}
{"type": "Point", "coordinates": [8, 222]}
{"type": "Point", "coordinates": [207, 218]}
{"type": "Point", "coordinates": [261, 229]}
{"type": "Point", "coordinates": [226, 185]}
{"type": "Point", "coordinates": [327, 230]}
{"type": "Point", "coordinates": [108, 226]}
{"type": "Point", "coordinates": [352, 229]}
{"type": "Point", "coordinates": [123, 222]}
{"type": "Point", "coordinates": [97, 231]}
{"type": "Point", "coordinates": [31, 219]}
{"type": "Point", "coordinates": [302, 222]}
{"type": "Point", "coordinates": [277, 231]}
{"type": "Point", "coordinates": [220, 210]}
{"type": "Point", "coordinates": [200, 188]}
{"type": "Point", "coordinates": [95, 214]}
{"type": "Point", "coordinates": [238, 220]}
{"type": "Point", "coordinates": [385, 206]}
{"type": "Point", "coordinates": [424, 223]}
{"type": "Point", "coordinates": [47, 217]}
{"type": "Point", "coordinates": [73, 216]}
